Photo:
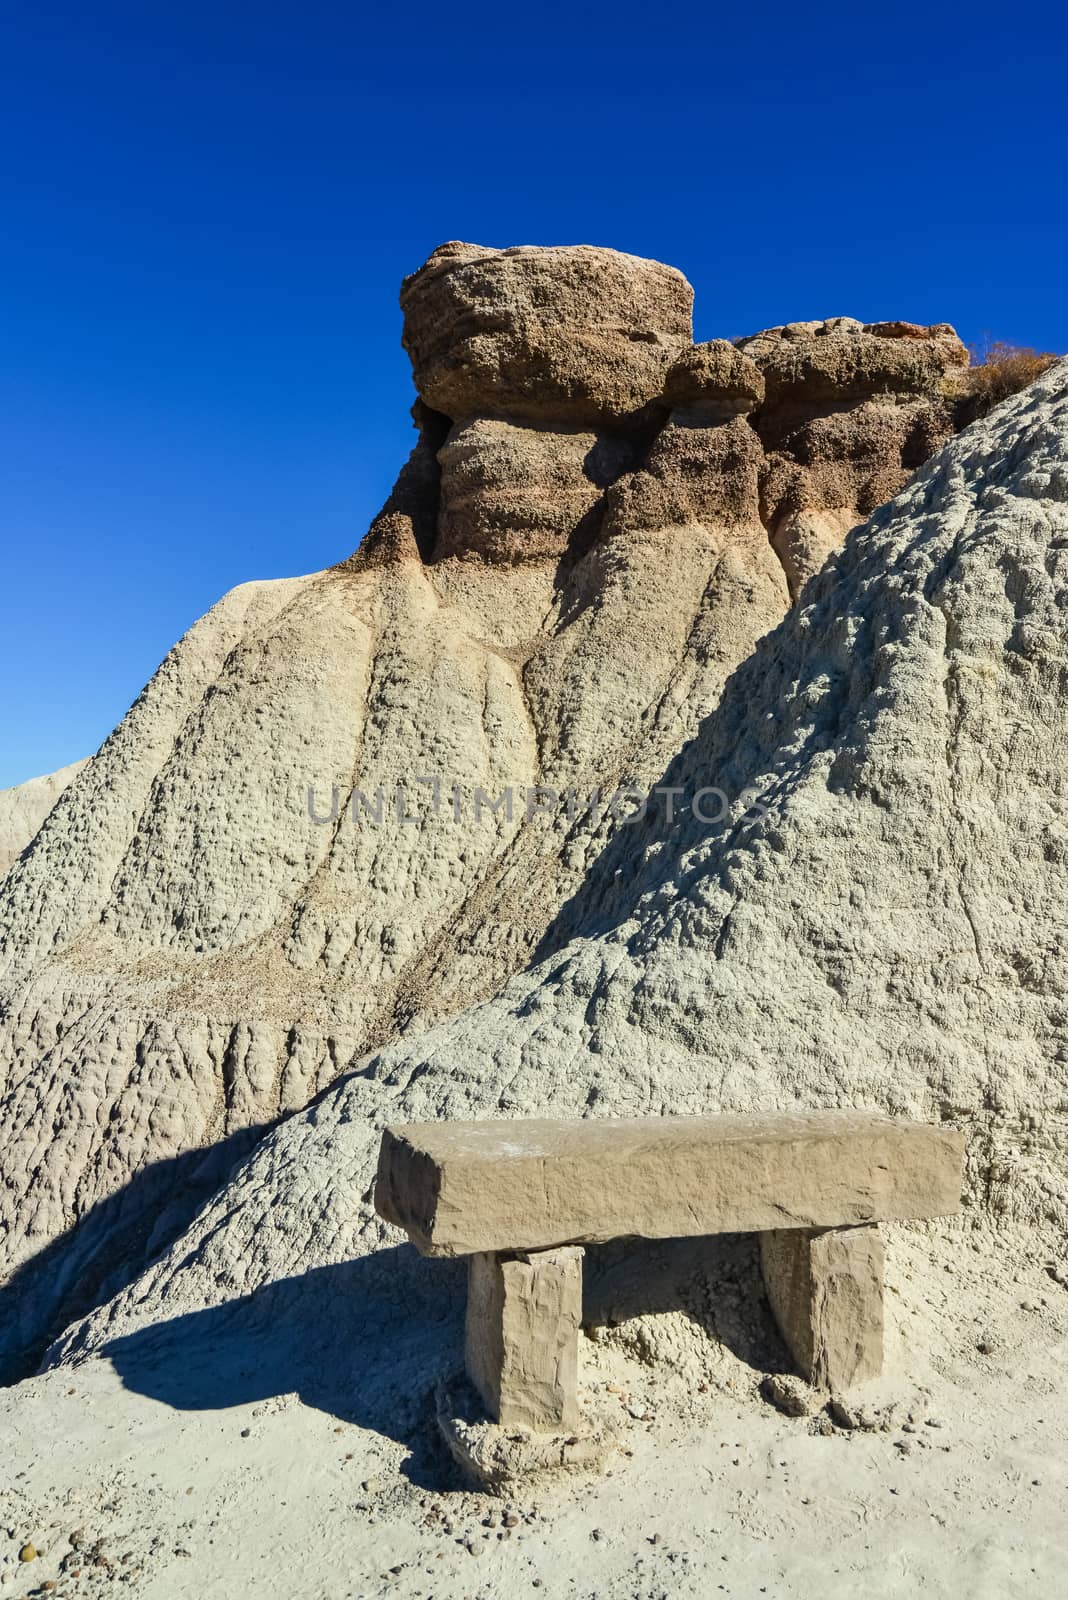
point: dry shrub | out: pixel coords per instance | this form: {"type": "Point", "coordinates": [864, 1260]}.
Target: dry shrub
{"type": "Point", "coordinates": [998, 370]}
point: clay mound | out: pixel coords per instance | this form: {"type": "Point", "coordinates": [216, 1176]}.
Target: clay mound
{"type": "Point", "coordinates": [24, 808]}
{"type": "Point", "coordinates": [587, 540]}
{"type": "Point", "coordinates": [879, 921]}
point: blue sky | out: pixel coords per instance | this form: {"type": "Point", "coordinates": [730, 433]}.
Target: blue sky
{"type": "Point", "coordinates": [208, 210]}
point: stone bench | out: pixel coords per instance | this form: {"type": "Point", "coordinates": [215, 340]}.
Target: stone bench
{"type": "Point", "coordinates": [520, 1199]}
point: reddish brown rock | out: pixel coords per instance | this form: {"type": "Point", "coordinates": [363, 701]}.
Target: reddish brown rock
{"type": "Point", "coordinates": [693, 473]}
{"type": "Point", "coordinates": [511, 493]}
{"type": "Point", "coordinates": [850, 412]}
{"type": "Point", "coordinates": [715, 379]}
{"type": "Point", "coordinates": [572, 335]}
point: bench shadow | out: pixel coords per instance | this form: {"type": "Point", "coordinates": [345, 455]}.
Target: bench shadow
{"type": "Point", "coordinates": [714, 1281]}
{"type": "Point", "coordinates": [366, 1341]}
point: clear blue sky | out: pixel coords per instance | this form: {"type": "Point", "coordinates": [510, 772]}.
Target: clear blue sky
{"type": "Point", "coordinates": [207, 210]}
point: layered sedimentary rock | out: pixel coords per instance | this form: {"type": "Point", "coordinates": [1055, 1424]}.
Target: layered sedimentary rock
{"type": "Point", "coordinates": [887, 929]}
{"type": "Point", "coordinates": [573, 562]}
{"type": "Point", "coordinates": [513, 493]}
{"type": "Point", "coordinates": [851, 410]}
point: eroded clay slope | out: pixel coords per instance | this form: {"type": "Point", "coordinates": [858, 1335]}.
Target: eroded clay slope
{"type": "Point", "coordinates": [587, 540]}
{"type": "Point", "coordinates": [24, 808]}
{"type": "Point", "coordinates": [887, 927]}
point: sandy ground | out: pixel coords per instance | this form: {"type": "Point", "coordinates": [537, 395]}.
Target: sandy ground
{"type": "Point", "coordinates": [719, 1494]}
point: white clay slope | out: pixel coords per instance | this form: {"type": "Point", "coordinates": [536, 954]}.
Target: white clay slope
{"type": "Point", "coordinates": [892, 933]}
{"type": "Point", "coordinates": [24, 808]}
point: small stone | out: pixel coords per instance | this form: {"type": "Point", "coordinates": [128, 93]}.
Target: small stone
{"type": "Point", "coordinates": [510, 1519]}
{"type": "Point", "coordinates": [245, 1432]}
{"type": "Point", "coordinates": [793, 1396]}
{"type": "Point", "coordinates": [850, 1415]}
{"type": "Point", "coordinates": [598, 1533]}
{"type": "Point", "coordinates": [28, 1553]}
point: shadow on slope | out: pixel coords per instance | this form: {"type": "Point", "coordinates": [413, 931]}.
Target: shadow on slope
{"type": "Point", "coordinates": [366, 1341]}
{"type": "Point", "coordinates": [108, 1248]}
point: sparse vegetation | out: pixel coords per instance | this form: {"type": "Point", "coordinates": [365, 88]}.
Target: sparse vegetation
{"type": "Point", "coordinates": [997, 370]}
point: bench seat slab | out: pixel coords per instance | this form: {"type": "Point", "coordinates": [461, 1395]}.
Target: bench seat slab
{"type": "Point", "coordinates": [460, 1188]}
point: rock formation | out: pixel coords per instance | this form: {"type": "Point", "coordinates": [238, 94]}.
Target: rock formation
{"type": "Point", "coordinates": [887, 929]}
{"type": "Point", "coordinates": [851, 410]}
{"type": "Point", "coordinates": [597, 524]}
{"type": "Point", "coordinates": [573, 336]}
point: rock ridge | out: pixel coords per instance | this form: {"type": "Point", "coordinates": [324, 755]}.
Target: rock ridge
{"type": "Point", "coordinates": [548, 377]}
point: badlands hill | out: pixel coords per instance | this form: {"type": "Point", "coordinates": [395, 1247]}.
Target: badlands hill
{"type": "Point", "coordinates": [24, 808]}
{"type": "Point", "coordinates": [879, 920]}
{"type": "Point", "coordinates": [597, 524]}
{"type": "Point", "coordinates": [591, 570]}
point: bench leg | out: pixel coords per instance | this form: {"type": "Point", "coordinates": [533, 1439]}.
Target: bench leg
{"type": "Point", "coordinates": [826, 1290]}
{"type": "Point", "coordinates": [521, 1338]}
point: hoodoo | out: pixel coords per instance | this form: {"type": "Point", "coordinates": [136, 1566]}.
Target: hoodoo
{"type": "Point", "coordinates": [599, 521]}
